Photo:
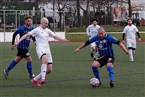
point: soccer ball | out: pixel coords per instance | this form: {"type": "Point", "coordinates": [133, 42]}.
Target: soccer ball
{"type": "Point", "coordinates": [94, 82]}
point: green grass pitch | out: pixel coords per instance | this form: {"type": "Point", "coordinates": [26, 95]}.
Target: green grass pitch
{"type": "Point", "coordinates": [72, 72]}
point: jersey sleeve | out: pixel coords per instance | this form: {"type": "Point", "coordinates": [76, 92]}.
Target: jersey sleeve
{"type": "Point", "coordinates": [124, 31]}
{"type": "Point", "coordinates": [19, 30]}
{"type": "Point", "coordinates": [135, 28]}
{"type": "Point", "coordinates": [51, 34]}
{"type": "Point", "coordinates": [113, 40]}
{"type": "Point", "coordinates": [93, 39]}
{"type": "Point", "coordinates": [33, 32]}
{"type": "Point", "coordinates": [87, 30]}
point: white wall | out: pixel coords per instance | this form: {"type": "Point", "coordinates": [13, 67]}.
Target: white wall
{"type": "Point", "coordinates": [7, 36]}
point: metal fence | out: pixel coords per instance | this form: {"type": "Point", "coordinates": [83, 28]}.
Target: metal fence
{"type": "Point", "coordinates": [10, 20]}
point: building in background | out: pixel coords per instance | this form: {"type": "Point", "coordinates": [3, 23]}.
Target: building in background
{"type": "Point", "coordinates": [138, 9]}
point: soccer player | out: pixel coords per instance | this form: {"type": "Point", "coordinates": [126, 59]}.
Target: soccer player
{"type": "Point", "coordinates": [130, 30]}
{"type": "Point", "coordinates": [92, 30]}
{"type": "Point", "coordinates": [106, 54]}
{"type": "Point", "coordinates": [22, 48]}
{"type": "Point", "coordinates": [42, 34]}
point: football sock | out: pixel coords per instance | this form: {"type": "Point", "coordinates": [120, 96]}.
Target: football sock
{"type": "Point", "coordinates": [12, 65]}
{"type": "Point", "coordinates": [29, 68]}
{"type": "Point", "coordinates": [111, 73]}
{"type": "Point", "coordinates": [133, 51]}
{"type": "Point", "coordinates": [96, 72]}
{"type": "Point", "coordinates": [37, 77]}
{"type": "Point", "coordinates": [131, 54]}
{"type": "Point", "coordinates": [95, 54]}
{"type": "Point", "coordinates": [43, 71]}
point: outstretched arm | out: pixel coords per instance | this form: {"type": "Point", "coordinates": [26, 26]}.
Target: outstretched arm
{"type": "Point", "coordinates": [22, 38]}
{"type": "Point", "coordinates": [123, 37]}
{"type": "Point", "coordinates": [13, 40]}
{"type": "Point", "coordinates": [82, 46]}
{"type": "Point", "coordinates": [123, 47]}
{"type": "Point", "coordinates": [60, 39]}
{"type": "Point", "coordinates": [138, 35]}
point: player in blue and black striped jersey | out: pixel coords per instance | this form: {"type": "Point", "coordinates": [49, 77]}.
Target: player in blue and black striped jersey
{"type": "Point", "coordinates": [23, 47]}
{"type": "Point", "coordinates": [106, 53]}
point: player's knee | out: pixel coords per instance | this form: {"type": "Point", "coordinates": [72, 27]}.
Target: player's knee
{"type": "Point", "coordinates": [96, 64]}
{"type": "Point", "coordinates": [18, 60]}
{"type": "Point", "coordinates": [49, 71]}
{"type": "Point", "coordinates": [109, 65]}
{"type": "Point", "coordinates": [29, 60]}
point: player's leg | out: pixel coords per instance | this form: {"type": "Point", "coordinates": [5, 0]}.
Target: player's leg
{"type": "Point", "coordinates": [130, 51]}
{"type": "Point", "coordinates": [133, 51]}
{"type": "Point", "coordinates": [94, 52]}
{"type": "Point", "coordinates": [13, 64]}
{"type": "Point", "coordinates": [29, 67]}
{"type": "Point", "coordinates": [129, 46]}
{"type": "Point", "coordinates": [44, 61]}
{"type": "Point", "coordinates": [134, 47]}
{"type": "Point", "coordinates": [49, 68]}
{"type": "Point", "coordinates": [43, 71]}
{"type": "Point", "coordinates": [95, 66]}
{"type": "Point", "coordinates": [110, 70]}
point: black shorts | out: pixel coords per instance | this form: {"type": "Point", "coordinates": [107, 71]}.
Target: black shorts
{"type": "Point", "coordinates": [103, 60]}
{"type": "Point", "coordinates": [23, 53]}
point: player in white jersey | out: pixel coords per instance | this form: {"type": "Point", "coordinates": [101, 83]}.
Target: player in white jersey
{"type": "Point", "coordinates": [42, 34]}
{"type": "Point", "coordinates": [131, 30]}
{"type": "Point", "coordinates": [92, 30]}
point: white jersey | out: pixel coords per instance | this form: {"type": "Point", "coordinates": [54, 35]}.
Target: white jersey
{"type": "Point", "coordinates": [42, 35]}
{"type": "Point", "coordinates": [42, 46]}
{"type": "Point", "coordinates": [92, 30]}
{"type": "Point", "coordinates": [130, 32]}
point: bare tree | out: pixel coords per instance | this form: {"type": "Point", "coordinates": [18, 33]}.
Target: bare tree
{"type": "Point", "coordinates": [78, 12]}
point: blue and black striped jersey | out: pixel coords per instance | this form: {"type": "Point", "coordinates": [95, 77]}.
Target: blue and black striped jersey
{"type": "Point", "coordinates": [22, 30]}
{"type": "Point", "coordinates": [105, 45]}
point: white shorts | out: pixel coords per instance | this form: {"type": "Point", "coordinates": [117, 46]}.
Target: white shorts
{"type": "Point", "coordinates": [44, 50]}
{"type": "Point", "coordinates": [131, 43]}
{"type": "Point", "coordinates": [93, 44]}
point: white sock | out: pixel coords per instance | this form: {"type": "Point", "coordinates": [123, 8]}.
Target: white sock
{"type": "Point", "coordinates": [43, 71]}
{"type": "Point", "coordinates": [38, 77]}
{"type": "Point", "coordinates": [131, 54]}
{"type": "Point", "coordinates": [95, 54]}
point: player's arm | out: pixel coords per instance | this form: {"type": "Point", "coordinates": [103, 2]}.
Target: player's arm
{"type": "Point", "coordinates": [22, 38]}
{"type": "Point", "coordinates": [139, 38]}
{"type": "Point", "coordinates": [14, 36]}
{"type": "Point", "coordinates": [137, 32]}
{"type": "Point", "coordinates": [116, 41]}
{"type": "Point", "coordinates": [13, 40]}
{"type": "Point", "coordinates": [60, 39]}
{"type": "Point", "coordinates": [82, 46]}
{"type": "Point", "coordinates": [88, 32]}
{"type": "Point", "coordinates": [123, 47]}
{"type": "Point", "coordinates": [33, 39]}
{"type": "Point", "coordinates": [86, 44]}
{"type": "Point", "coordinates": [123, 35]}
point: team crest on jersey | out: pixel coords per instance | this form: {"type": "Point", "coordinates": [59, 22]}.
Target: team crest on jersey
{"type": "Point", "coordinates": [100, 45]}
{"type": "Point", "coordinates": [104, 41]}
{"type": "Point", "coordinates": [101, 41]}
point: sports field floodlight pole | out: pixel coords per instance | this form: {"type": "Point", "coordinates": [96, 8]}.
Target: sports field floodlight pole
{"type": "Point", "coordinates": [141, 9]}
